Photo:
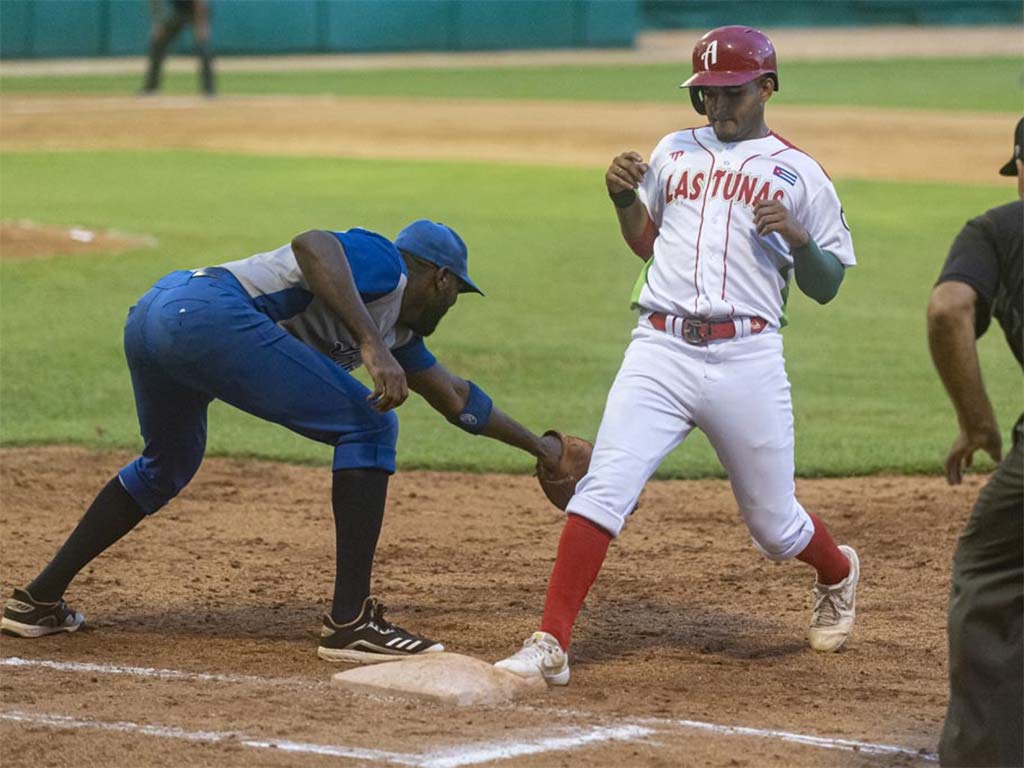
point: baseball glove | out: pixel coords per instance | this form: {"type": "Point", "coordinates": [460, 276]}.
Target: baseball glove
{"type": "Point", "coordinates": [560, 485]}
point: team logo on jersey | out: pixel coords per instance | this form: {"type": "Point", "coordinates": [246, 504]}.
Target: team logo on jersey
{"type": "Point", "coordinates": [347, 357]}
{"type": "Point", "coordinates": [786, 175]}
{"type": "Point", "coordinates": [710, 55]}
{"type": "Point", "coordinates": [677, 154]}
{"type": "Point", "coordinates": [728, 185]}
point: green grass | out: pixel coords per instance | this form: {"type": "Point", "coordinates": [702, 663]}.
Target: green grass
{"type": "Point", "coordinates": [545, 342]}
{"type": "Point", "coordinates": [991, 84]}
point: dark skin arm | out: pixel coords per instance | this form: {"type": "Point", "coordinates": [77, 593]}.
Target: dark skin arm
{"type": "Point", "coordinates": [323, 263]}
{"type": "Point", "coordinates": [951, 340]}
{"type": "Point", "coordinates": [447, 394]}
{"type": "Point", "coordinates": [202, 21]}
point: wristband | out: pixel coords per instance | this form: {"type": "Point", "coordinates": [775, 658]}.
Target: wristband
{"type": "Point", "coordinates": [476, 412]}
{"type": "Point", "coordinates": [623, 199]}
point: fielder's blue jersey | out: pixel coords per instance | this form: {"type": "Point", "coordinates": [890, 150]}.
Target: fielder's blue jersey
{"type": "Point", "coordinates": [278, 288]}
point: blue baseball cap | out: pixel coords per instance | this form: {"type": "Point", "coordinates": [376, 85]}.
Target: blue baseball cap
{"type": "Point", "coordinates": [439, 244]}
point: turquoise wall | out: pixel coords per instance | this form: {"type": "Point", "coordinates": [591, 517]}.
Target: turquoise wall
{"type": "Point", "coordinates": [687, 14]}
{"type": "Point", "coordinates": [42, 28]}
{"type": "Point", "coordinates": [46, 28]}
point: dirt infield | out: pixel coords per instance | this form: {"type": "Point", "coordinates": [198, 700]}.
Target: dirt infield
{"type": "Point", "coordinates": [920, 145]}
{"type": "Point", "coordinates": [688, 631]}
{"type": "Point", "coordinates": [690, 651]}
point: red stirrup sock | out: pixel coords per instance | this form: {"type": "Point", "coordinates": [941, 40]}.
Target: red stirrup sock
{"type": "Point", "coordinates": [581, 551]}
{"type": "Point", "coordinates": [822, 553]}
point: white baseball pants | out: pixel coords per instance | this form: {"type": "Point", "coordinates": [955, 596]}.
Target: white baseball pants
{"type": "Point", "coordinates": [737, 392]}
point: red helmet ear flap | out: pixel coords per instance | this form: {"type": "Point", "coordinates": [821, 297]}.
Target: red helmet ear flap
{"type": "Point", "coordinates": [697, 99]}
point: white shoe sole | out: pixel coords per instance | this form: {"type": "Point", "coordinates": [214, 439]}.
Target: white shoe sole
{"type": "Point", "coordinates": [365, 657]}
{"type": "Point", "coordinates": [556, 678]}
{"type": "Point", "coordinates": [560, 678]}
{"type": "Point", "coordinates": [16, 628]}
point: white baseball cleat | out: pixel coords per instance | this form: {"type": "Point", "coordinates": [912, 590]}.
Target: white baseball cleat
{"type": "Point", "coordinates": [835, 608]}
{"type": "Point", "coordinates": [540, 656]}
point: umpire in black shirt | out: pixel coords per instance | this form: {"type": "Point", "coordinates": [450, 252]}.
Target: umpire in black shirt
{"type": "Point", "coordinates": [981, 279]}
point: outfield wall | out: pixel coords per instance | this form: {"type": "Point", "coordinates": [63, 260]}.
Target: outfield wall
{"type": "Point", "coordinates": [60, 28]}
{"type": "Point", "coordinates": [97, 28]}
{"type": "Point", "coordinates": [687, 14]}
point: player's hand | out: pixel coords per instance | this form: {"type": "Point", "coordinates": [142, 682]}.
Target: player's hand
{"type": "Point", "coordinates": [772, 216]}
{"type": "Point", "coordinates": [390, 387]}
{"type": "Point", "coordinates": [626, 172]}
{"type": "Point", "coordinates": [961, 454]}
{"type": "Point", "coordinates": [551, 453]}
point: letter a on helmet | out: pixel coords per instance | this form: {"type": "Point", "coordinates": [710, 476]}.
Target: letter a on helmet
{"type": "Point", "coordinates": [730, 56]}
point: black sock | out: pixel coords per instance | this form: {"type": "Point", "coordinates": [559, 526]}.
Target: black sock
{"type": "Point", "coordinates": [110, 517]}
{"type": "Point", "coordinates": [206, 68]}
{"type": "Point", "coordinates": [358, 497]}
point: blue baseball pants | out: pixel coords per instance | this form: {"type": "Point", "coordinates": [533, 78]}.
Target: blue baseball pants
{"type": "Point", "coordinates": [192, 339]}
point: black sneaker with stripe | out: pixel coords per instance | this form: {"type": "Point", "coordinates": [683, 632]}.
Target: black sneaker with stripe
{"type": "Point", "coordinates": [24, 616]}
{"type": "Point", "coordinates": [370, 638]}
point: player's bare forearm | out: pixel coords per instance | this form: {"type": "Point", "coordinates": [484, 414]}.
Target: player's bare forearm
{"type": "Point", "coordinates": [323, 263]}
{"type": "Point", "coordinates": [509, 431]}
{"type": "Point", "coordinates": [448, 394]}
{"type": "Point", "coordinates": [322, 260]}
{"type": "Point", "coordinates": [622, 179]}
{"type": "Point", "coordinates": [955, 353]}
{"type": "Point", "coordinates": [201, 15]}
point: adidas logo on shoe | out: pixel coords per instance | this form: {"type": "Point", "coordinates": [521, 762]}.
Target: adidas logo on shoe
{"type": "Point", "coordinates": [370, 638]}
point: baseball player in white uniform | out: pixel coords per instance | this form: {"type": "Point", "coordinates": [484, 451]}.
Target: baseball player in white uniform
{"type": "Point", "coordinates": [723, 216]}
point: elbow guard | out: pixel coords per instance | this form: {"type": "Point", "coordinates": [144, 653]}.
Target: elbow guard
{"type": "Point", "coordinates": [476, 412]}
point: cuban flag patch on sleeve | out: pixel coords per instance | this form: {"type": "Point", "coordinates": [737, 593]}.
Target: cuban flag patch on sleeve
{"type": "Point", "coordinates": [786, 175]}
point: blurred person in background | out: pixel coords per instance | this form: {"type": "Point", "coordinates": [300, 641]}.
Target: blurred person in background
{"type": "Point", "coordinates": [982, 279]}
{"type": "Point", "coordinates": [169, 18]}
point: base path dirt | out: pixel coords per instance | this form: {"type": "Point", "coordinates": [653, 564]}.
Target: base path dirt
{"type": "Point", "coordinates": [688, 630]}
{"type": "Point", "coordinates": [28, 240]}
{"type": "Point", "coordinates": [957, 147]}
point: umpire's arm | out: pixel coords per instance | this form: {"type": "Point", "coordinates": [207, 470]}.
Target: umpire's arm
{"type": "Point", "coordinates": [951, 341]}
{"type": "Point", "coordinates": [449, 395]}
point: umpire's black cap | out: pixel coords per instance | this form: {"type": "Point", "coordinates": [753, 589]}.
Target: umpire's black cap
{"type": "Point", "coordinates": [1010, 169]}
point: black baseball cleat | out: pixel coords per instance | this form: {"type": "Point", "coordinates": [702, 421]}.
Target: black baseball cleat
{"type": "Point", "coordinates": [370, 638]}
{"type": "Point", "coordinates": [24, 616]}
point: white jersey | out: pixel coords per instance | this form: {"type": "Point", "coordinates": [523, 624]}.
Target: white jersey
{"type": "Point", "coordinates": [708, 259]}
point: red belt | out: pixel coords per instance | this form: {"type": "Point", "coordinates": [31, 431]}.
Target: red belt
{"type": "Point", "coordinates": [695, 331]}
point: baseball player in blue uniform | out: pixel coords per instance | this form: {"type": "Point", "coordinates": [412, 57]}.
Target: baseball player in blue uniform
{"type": "Point", "coordinates": [277, 335]}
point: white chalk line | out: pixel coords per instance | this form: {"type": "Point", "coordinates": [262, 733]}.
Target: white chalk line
{"type": "Point", "coordinates": [159, 674]}
{"type": "Point", "coordinates": [852, 745]}
{"type": "Point", "coordinates": [823, 742]}
{"type": "Point", "coordinates": [468, 754]}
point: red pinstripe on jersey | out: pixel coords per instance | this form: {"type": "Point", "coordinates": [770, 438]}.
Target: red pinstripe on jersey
{"type": "Point", "coordinates": [704, 204]}
{"type": "Point", "coordinates": [728, 228]}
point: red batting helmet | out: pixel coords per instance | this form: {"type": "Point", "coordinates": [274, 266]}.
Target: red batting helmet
{"type": "Point", "coordinates": [730, 56]}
